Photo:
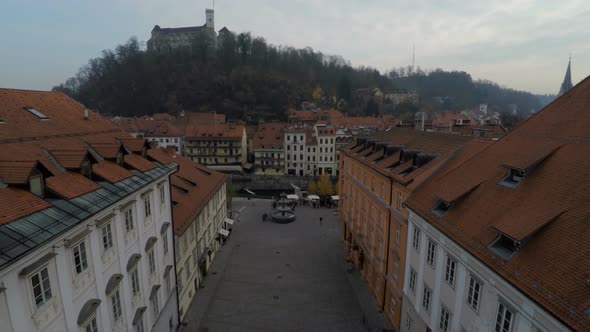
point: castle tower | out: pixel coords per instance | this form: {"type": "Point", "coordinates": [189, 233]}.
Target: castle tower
{"type": "Point", "coordinates": [210, 23]}
{"type": "Point", "coordinates": [567, 80]}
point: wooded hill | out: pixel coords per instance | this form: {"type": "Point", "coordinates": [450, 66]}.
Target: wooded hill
{"type": "Point", "coordinates": [244, 77]}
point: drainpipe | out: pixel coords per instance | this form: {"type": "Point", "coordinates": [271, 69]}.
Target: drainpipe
{"type": "Point", "coordinates": [387, 246]}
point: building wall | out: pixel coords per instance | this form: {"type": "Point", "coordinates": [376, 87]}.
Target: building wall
{"type": "Point", "coordinates": [326, 155]}
{"type": "Point", "coordinates": [373, 219]}
{"type": "Point", "coordinates": [270, 161]}
{"type": "Point", "coordinates": [70, 290]}
{"type": "Point", "coordinates": [193, 258]}
{"type": "Point", "coordinates": [167, 141]}
{"type": "Point", "coordinates": [528, 316]}
{"type": "Point", "coordinates": [219, 154]}
{"type": "Point", "coordinates": [295, 153]}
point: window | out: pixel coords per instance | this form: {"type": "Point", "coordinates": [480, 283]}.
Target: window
{"type": "Point", "coordinates": [162, 195]}
{"type": "Point", "coordinates": [431, 255]}
{"type": "Point", "coordinates": [409, 323]}
{"type": "Point", "coordinates": [147, 206]}
{"type": "Point", "coordinates": [167, 281]}
{"type": "Point", "coordinates": [152, 261]}
{"type": "Point", "coordinates": [135, 282]}
{"type": "Point", "coordinates": [445, 319]}
{"type": "Point", "coordinates": [139, 326]}
{"type": "Point", "coordinates": [36, 185]}
{"type": "Point", "coordinates": [80, 259]}
{"type": "Point", "coordinates": [179, 280]}
{"type": "Point", "coordinates": [398, 232]}
{"type": "Point", "coordinates": [155, 307]}
{"type": "Point", "coordinates": [416, 239]}
{"type": "Point", "coordinates": [399, 200]}
{"type": "Point", "coordinates": [441, 208]}
{"type": "Point", "coordinates": [513, 178]}
{"type": "Point", "coordinates": [41, 287]}
{"type": "Point", "coordinates": [426, 298]}
{"type": "Point", "coordinates": [165, 242]}
{"type": "Point", "coordinates": [37, 113]}
{"type": "Point", "coordinates": [91, 326]}
{"type": "Point", "coordinates": [504, 319]}
{"type": "Point", "coordinates": [107, 237]}
{"type": "Point", "coordinates": [392, 306]}
{"type": "Point", "coordinates": [450, 271]}
{"type": "Point", "coordinates": [129, 220]}
{"type": "Point", "coordinates": [395, 267]}
{"type": "Point", "coordinates": [116, 305]}
{"type": "Point", "coordinates": [412, 283]}
{"type": "Point", "coordinates": [474, 293]}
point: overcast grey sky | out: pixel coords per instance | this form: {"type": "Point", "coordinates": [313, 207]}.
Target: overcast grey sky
{"type": "Point", "coordinates": [519, 44]}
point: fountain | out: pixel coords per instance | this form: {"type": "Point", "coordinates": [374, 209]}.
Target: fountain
{"type": "Point", "coordinates": [283, 213]}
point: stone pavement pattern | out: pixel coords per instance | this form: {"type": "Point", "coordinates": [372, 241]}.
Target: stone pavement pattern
{"type": "Point", "coordinates": [274, 277]}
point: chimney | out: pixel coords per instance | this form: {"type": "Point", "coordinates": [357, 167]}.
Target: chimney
{"type": "Point", "coordinates": [85, 114]}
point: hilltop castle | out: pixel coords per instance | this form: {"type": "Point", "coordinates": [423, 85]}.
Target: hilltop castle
{"type": "Point", "coordinates": [169, 38]}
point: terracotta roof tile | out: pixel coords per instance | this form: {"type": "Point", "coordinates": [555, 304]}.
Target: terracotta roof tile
{"type": "Point", "coordinates": [70, 185]}
{"type": "Point", "coordinates": [548, 209]}
{"type": "Point", "coordinates": [269, 135]}
{"type": "Point", "coordinates": [71, 159]}
{"type": "Point", "coordinates": [16, 172]}
{"type": "Point", "coordinates": [138, 162]}
{"type": "Point", "coordinates": [16, 203]}
{"type": "Point", "coordinates": [189, 199]}
{"type": "Point", "coordinates": [110, 171]}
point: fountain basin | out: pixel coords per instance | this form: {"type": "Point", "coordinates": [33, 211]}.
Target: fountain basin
{"type": "Point", "coordinates": [283, 216]}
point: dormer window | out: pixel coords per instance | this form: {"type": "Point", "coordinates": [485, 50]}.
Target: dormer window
{"type": "Point", "coordinates": [513, 178]}
{"type": "Point", "coordinates": [505, 247]}
{"type": "Point", "coordinates": [120, 158]}
{"type": "Point", "coordinates": [36, 185]}
{"type": "Point", "coordinates": [86, 169]}
{"type": "Point", "coordinates": [441, 208]}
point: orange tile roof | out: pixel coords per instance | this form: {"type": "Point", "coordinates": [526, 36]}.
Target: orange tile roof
{"type": "Point", "coordinates": [70, 185]}
{"type": "Point", "coordinates": [548, 210]}
{"type": "Point", "coordinates": [110, 171]}
{"type": "Point", "coordinates": [269, 135]}
{"type": "Point", "coordinates": [16, 172]}
{"type": "Point", "coordinates": [203, 131]}
{"type": "Point", "coordinates": [189, 199]}
{"type": "Point", "coordinates": [138, 162]}
{"type": "Point", "coordinates": [133, 144]}
{"type": "Point", "coordinates": [70, 159]}
{"type": "Point", "coordinates": [16, 203]}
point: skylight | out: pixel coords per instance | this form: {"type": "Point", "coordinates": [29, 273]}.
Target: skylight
{"type": "Point", "coordinates": [37, 113]}
{"type": "Point", "coordinates": [505, 246]}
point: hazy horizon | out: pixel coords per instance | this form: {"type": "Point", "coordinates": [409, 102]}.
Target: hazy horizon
{"type": "Point", "coordinates": [522, 45]}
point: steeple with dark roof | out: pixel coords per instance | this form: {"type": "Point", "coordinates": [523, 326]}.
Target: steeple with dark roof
{"type": "Point", "coordinates": [567, 80]}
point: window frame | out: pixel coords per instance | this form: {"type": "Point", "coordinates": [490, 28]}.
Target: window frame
{"type": "Point", "coordinates": [128, 216]}
{"type": "Point", "coordinates": [91, 323]}
{"type": "Point", "coordinates": [426, 301]}
{"type": "Point", "coordinates": [450, 272]}
{"type": "Point", "coordinates": [431, 253]}
{"type": "Point", "coordinates": [116, 308]}
{"type": "Point", "coordinates": [471, 299]}
{"type": "Point", "coordinates": [446, 319]}
{"type": "Point", "coordinates": [147, 206]}
{"type": "Point", "coordinates": [43, 290]}
{"type": "Point", "coordinates": [80, 249]}
{"type": "Point", "coordinates": [502, 316]}
{"type": "Point", "coordinates": [151, 261]}
{"type": "Point", "coordinates": [134, 279]}
{"type": "Point", "coordinates": [107, 237]}
{"type": "Point", "coordinates": [416, 237]}
{"type": "Point", "coordinates": [412, 280]}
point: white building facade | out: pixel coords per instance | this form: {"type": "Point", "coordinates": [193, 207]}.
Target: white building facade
{"type": "Point", "coordinates": [326, 138]}
{"type": "Point", "coordinates": [295, 151]}
{"type": "Point", "coordinates": [112, 271]}
{"type": "Point", "coordinates": [448, 289]}
{"type": "Point", "coordinates": [196, 248]}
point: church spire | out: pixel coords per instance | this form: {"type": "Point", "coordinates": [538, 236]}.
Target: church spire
{"type": "Point", "coordinates": [567, 80]}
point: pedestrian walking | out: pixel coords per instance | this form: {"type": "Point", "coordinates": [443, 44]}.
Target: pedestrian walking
{"type": "Point", "coordinates": [321, 221]}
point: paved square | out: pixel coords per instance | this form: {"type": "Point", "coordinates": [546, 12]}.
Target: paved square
{"type": "Point", "coordinates": [278, 277]}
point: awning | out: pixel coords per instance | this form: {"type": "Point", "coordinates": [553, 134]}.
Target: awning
{"type": "Point", "coordinates": [335, 198]}
{"type": "Point", "coordinates": [313, 197]}
{"type": "Point", "coordinates": [138, 315]}
{"type": "Point", "coordinates": [223, 232]}
{"type": "Point", "coordinates": [247, 166]}
{"type": "Point", "coordinates": [229, 221]}
{"type": "Point", "coordinates": [113, 283]}
{"type": "Point", "coordinates": [293, 197]}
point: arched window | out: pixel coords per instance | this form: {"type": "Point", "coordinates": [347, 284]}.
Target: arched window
{"type": "Point", "coordinates": [87, 317]}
